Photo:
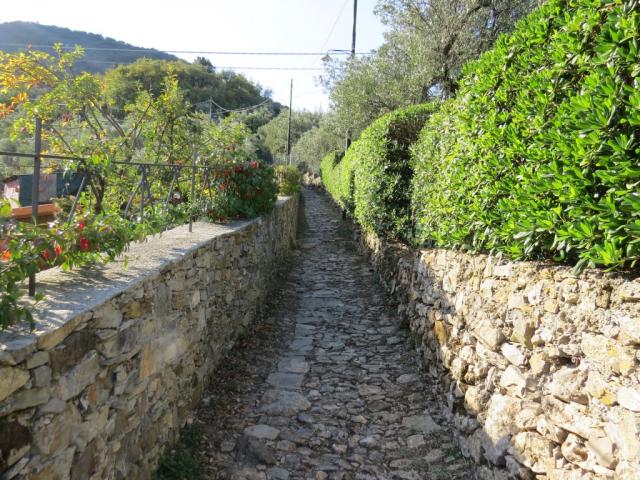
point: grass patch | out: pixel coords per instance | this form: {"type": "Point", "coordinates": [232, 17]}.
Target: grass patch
{"type": "Point", "coordinates": [180, 463]}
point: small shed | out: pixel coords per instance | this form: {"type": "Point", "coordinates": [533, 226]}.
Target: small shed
{"type": "Point", "coordinates": [18, 188]}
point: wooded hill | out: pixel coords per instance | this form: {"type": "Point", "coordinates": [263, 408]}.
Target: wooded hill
{"type": "Point", "coordinates": [15, 36]}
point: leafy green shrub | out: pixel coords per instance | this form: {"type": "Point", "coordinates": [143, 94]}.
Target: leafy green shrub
{"type": "Point", "coordinates": [289, 179]}
{"type": "Point", "coordinates": [328, 171]}
{"type": "Point", "coordinates": [244, 191]}
{"type": "Point", "coordinates": [383, 172]}
{"type": "Point", "coordinates": [345, 182]}
{"type": "Point", "coordinates": [538, 155]}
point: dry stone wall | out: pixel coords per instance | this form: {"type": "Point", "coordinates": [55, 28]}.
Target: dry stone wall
{"type": "Point", "coordinates": [121, 354]}
{"type": "Point", "coordinates": [538, 368]}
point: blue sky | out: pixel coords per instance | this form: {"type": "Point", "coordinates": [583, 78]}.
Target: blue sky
{"type": "Point", "coordinates": [224, 25]}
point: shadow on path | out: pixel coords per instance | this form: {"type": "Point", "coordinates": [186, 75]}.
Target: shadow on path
{"type": "Point", "coordinates": [326, 385]}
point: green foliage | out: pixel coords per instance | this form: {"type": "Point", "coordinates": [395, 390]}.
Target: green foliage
{"type": "Point", "coordinates": [199, 82]}
{"type": "Point", "coordinates": [315, 143]}
{"type": "Point", "coordinates": [538, 154]}
{"type": "Point", "coordinates": [328, 170]}
{"type": "Point", "coordinates": [159, 129]}
{"type": "Point", "coordinates": [244, 191]}
{"type": "Point", "coordinates": [426, 44]}
{"type": "Point", "coordinates": [180, 463]}
{"type": "Point", "coordinates": [274, 133]}
{"type": "Point", "coordinates": [289, 179]}
{"type": "Point", "coordinates": [383, 171]}
{"type": "Point", "coordinates": [337, 170]}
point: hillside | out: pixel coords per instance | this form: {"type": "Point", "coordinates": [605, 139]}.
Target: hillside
{"type": "Point", "coordinates": [15, 36]}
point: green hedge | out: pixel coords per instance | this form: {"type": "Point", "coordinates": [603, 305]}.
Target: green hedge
{"type": "Point", "coordinates": [383, 172]}
{"type": "Point", "coordinates": [337, 172]}
{"type": "Point", "coordinates": [538, 156]}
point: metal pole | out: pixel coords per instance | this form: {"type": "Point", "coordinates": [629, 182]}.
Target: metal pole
{"type": "Point", "coordinates": [289, 128]}
{"type": "Point", "coordinates": [193, 191]}
{"type": "Point", "coordinates": [35, 190]}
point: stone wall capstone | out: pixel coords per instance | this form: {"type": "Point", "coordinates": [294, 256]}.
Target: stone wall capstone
{"type": "Point", "coordinates": [537, 367]}
{"type": "Point", "coordinates": [122, 353]}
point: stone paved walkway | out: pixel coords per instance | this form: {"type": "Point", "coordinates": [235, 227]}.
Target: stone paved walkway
{"type": "Point", "coordinates": [326, 386]}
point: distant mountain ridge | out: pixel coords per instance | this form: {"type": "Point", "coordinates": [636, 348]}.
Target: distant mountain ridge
{"type": "Point", "coordinates": [15, 36]}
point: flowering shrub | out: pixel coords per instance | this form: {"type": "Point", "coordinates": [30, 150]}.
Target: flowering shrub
{"type": "Point", "coordinates": [26, 249]}
{"type": "Point", "coordinates": [245, 190]}
{"type": "Point", "coordinates": [127, 195]}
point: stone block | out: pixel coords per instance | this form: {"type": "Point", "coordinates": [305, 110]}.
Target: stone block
{"type": "Point", "coordinates": [24, 399]}
{"type": "Point", "coordinates": [50, 437]}
{"type": "Point", "coordinates": [533, 450]}
{"type": "Point", "coordinates": [67, 354]}
{"type": "Point", "coordinates": [489, 334]}
{"type": "Point", "coordinates": [15, 442]}
{"type": "Point", "coordinates": [567, 384]}
{"type": "Point", "coordinates": [607, 352]}
{"type": "Point", "coordinates": [78, 378]}
{"type": "Point", "coordinates": [107, 316]}
{"type": "Point", "coordinates": [514, 354]}
{"type": "Point", "coordinates": [624, 434]}
{"type": "Point", "coordinates": [37, 359]}
{"type": "Point", "coordinates": [11, 379]}
{"type": "Point", "coordinates": [50, 338]}
{"type": "Point", "coordinates": [523, 329]}
{"type": "Point", "coordinates": [629, 398]}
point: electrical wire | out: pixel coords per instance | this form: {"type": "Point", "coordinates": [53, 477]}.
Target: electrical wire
{"type": "Point", "coordinates": [231, 110]}
{"type": "Point", "coordinates": [333, 27]}
{"type": "Point", "coordinates": [193, 52]}
{"type": "Point", "coordinates": [105, 62]}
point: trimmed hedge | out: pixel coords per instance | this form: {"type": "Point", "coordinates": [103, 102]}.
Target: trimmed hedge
{"type": "Point", "coordinates": [538, 156]}
{"type": "Point", "coordinates": [383, 171]}
{"type": "Point", "coordinates": [337, 172]}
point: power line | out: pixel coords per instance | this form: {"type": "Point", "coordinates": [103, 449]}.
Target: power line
{"type": "Point", "coordinates": [333, 27]}
{"type": "Point", "coordinates": [244, 109]}
{"type": "Point", "coordinates": [193, 52]}
{"type": "Point", "coordinates": [105, 62]}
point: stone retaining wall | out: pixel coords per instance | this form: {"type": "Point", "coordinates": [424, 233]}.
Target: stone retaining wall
{"type": "Point", "coordinates": [121, 354]}
{"type": "Point", "coordinates": [538, 369]}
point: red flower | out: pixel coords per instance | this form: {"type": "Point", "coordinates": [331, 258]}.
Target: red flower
{"type": "Point", "coordinates": [81, 226]}
{"type": "Point", "coordinates": [238, 168]}
{"type": "Point", "coordinates": [226, 173]}
{"type": "Point", "coordinates": [6, 256]}
{"type": "Point", "coordinates": [254, 164]}
{"type": "Point", "coordinates": [57, 249]}
{"type": "Point", "coordinates": [46, 254]}
{"type": "Point", "coordinates": [84, 244]}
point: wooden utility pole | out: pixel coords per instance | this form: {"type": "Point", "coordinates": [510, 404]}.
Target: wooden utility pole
{"type": "Point", "coordinates": [289, 128]}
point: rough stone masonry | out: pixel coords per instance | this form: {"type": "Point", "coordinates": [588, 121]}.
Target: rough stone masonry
{"type": "Point", "coordinates": [538, 368]}
{"type": "Point", "coordinates": [121, 354]}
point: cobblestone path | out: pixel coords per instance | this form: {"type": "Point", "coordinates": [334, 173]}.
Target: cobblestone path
{"type": "Point", "coordinates": [326, 386]}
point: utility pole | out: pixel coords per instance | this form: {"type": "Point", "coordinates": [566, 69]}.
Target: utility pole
{"type": "Point", "coordinates": [210, 109]}
{"type": "Point", "coordinates": [353, 55]}
{"type": "Point", "coordinates": [289, 128]}
{"type": "Point", "coordinates": [353, 35]}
